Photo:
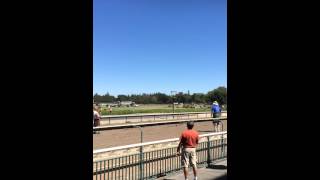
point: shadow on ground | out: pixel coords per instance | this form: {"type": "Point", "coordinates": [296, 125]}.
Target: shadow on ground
{"type": "Point", "coordinates": [224, 177]}
{"type": "Point", "coordinates": [217, 167]}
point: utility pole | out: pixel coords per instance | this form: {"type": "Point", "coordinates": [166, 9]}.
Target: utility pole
{"type": "Point", "coordinates": [172, 94]}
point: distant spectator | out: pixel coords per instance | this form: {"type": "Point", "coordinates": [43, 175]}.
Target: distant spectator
{"type": "Point", "coordinates": [189, 140]}
{"type": "Point", "coordinates": [215, 110]}
{"type": "Point", "coordinates": [216, 113]}
{"type": "Point", "coordinates": [110, 109]}
{"type": "Point", "coordinates": [96, 118]}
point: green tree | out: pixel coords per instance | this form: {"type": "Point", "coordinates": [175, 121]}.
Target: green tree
{"type": "Point", "coordinates": [97, 98]}
{"type": "Point", "coordinates": [219, 94]}
{"type": "Point", "coordinates": [162, 98]}
{"type": "Point", "coordinates": [108, 98]}
{"type": "Point", "coordinates": [122, 97]}
{"type": "Point", "coordinates": [187, 98]}
{"type": "Point", "coordinates": [198, 98]}
{"type": "Point", "coordinates": [180, 97]}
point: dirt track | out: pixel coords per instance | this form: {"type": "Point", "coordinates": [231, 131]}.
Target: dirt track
{"type": "Point", "coordinates": [119, 137]}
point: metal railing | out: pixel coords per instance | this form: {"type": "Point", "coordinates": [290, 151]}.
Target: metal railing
{"type": "Point", "coordinates": [143, 124]}
{"type": "Point", "coordinates": [156, 116]}
{"type": "Point", "coordinates": [158, 163]}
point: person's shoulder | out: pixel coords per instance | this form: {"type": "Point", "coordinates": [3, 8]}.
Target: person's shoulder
{"type": "Point", "coordinates": [184, 131]}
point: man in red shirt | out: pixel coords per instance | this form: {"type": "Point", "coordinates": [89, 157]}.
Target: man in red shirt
{"type": "Point", "coordinates": [189, 140]}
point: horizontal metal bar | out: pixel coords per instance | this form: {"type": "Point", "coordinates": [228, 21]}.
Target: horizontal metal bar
{"type": "Point", "coordinates": [127, 125]}
{"type": "Point", "coordinates": [166, 157]}
{"type": "Point", "coordinates": [156, 114]}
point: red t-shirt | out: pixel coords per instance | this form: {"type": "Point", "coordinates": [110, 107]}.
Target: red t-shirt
{"type": "Point", "coordinates": [189, 138]}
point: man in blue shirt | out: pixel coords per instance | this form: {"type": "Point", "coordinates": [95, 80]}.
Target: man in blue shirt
{"type": "Point", "coordinates": [215, 110]}
{"type": "Point", "coordinates": [216, 113]}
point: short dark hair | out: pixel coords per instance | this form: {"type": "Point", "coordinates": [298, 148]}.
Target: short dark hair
{"type": "Point", "coordinates": [190, 124]}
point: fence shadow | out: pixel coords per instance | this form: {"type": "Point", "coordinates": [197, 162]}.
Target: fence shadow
{"type": "Point", "coordinates": [217, 167]}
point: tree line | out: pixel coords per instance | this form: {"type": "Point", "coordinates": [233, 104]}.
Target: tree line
{"type": "Point", "coordinates": [219, 94]}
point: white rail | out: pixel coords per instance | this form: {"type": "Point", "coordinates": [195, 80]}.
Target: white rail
{"type": "Point", "coordinates": [155, 114]}
{"type": "Point", "coordinates": [151, 143]}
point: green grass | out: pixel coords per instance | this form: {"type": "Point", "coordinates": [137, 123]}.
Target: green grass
{"type": "Point", "coordinates": [149, 109]}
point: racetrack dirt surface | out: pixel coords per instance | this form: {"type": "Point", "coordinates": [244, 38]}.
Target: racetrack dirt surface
{"type": "Point", "coordinates": [119, 137]}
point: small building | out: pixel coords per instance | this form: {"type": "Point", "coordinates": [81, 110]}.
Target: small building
{"type": "Point", "coordinates": [127, 103]}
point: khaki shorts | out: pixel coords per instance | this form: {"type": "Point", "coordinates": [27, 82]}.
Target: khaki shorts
{"type": "Point", "coordinates": [96, 123]}
{"type": "Point", "coordinates": [188, 156]}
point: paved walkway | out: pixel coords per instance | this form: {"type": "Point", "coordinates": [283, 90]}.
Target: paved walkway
{"type": "Point", "coordinates": [217, 172]}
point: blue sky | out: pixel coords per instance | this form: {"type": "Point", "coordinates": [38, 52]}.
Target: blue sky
{"type": "Point", "coordinates": [148, 46]}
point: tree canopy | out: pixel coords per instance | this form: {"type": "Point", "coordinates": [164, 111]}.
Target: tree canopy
{"type": "Point", "coordinates": [219, 94]}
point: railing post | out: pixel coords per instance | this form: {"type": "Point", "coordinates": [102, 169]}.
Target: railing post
{"type": "Point", "coordinates": [109, 120]}
{"type": "Point", "coordinates": [141, 163]}
{"type": "Point", "coordinates": [100, 169]}
{"type": "Point", "coordinates": [222, 146]}
{"type": "Point", "coordinates": [140, 173]}
{"type": "Point", "coordinates": [96, 170]}
{"type": "Point", "coordinates": [208, 152]}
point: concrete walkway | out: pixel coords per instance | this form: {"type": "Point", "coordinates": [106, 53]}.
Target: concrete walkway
{"type": "Point", "coordinates": [217, 172]}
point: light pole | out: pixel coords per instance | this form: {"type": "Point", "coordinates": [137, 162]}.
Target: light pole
{"type": "Point", "coordinates": [173, 93]}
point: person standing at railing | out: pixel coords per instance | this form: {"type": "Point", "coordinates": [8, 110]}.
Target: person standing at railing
{"type": "Point", "coordinates": [216, 113]}
{"type": "Point", "coordinates": [96, 119]}
{"type": "Point", "coordinates": [215, 110]}
{"type": "Point", "coordinates": [110, 109]}
{"type": "Point", "coordinates": [189, 140]}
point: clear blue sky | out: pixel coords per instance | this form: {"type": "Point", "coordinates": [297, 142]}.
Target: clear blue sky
{"type": "Point", "coordinates": [148, 46]}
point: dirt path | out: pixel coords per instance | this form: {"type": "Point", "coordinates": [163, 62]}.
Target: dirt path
{"type": "Point", "coordinates": [119, 137]}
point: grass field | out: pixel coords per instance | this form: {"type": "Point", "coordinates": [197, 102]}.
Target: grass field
{"type": "Point", "coordinates": [150, 108]}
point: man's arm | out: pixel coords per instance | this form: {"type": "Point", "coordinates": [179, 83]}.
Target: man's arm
{"type": "Point", "coordinates": [197, 141]}
{"type": "Point", "coordinates": [179, 146]}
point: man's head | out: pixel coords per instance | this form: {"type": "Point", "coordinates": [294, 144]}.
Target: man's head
{"type": "Point", "coordinates": [190, 124]}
